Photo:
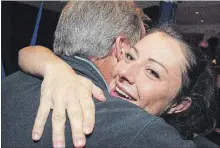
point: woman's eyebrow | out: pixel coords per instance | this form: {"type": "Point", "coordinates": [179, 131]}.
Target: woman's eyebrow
{"type": "Point", "coordinates": [150, 59]}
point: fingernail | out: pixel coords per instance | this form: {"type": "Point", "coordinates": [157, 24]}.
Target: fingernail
{"type": "Point", "coordinates": [59, 144]}
{"type": "Point", "coordinates": [103, 97]}
{"type": "Point", "coordinates": [36, 136]}
{"type": "Point", "coordinates": [79, 142]}
{"type": "Point", "coordinates": [87, 129]}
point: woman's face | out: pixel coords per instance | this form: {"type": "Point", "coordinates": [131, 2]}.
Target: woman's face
{"type": "Point", "coordinates": [150, 73]}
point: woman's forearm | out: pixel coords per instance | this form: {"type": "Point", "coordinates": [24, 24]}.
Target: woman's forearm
{"type": "Point", "coordinates": [39, 60]}
{"type": "Point", "coordinates": [63, 91]}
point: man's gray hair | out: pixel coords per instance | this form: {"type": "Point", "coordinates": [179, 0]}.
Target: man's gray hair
{"type": "Point", "coordinates": [90, 27]}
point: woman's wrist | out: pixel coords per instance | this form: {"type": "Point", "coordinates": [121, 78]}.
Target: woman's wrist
{"type": "Point", "coordinates": [57, 67]}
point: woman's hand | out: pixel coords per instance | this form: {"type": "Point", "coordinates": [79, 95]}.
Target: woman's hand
{"type": "Point", "coordinates": [62, 90]}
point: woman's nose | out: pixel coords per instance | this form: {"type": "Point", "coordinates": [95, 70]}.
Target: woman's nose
{"type": "Point", "coordinates": [128, 73]}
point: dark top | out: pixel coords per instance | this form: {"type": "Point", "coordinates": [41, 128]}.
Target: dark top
{"type": "Point", "coordinates": [118, 122]}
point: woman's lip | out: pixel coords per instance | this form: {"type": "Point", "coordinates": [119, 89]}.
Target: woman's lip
{"type": "Point", "coordinates": [128, 94]}
{"type": "Point", "coordinates": [115, 94]}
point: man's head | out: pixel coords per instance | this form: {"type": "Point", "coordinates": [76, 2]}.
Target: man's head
{"type": "Point", "coordinates": [91, 28]}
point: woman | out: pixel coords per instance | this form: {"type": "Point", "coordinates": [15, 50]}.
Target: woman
{"type": "Point", "coordinates": [170, 79]}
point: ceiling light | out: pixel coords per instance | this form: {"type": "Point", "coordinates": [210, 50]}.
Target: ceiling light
{"type": "Point", "coordinates": [196, 13]}
{"type": "Point", "coordinates": [201, 21]}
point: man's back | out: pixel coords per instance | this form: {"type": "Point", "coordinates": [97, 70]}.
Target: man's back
{"type": "Point", "coordinates": [118, 123]}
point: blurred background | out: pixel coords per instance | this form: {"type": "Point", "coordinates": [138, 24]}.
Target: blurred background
{"type": "Point", "coordinates": [19, 18]}
{"type": "Point", "coordinates": [199, 19]}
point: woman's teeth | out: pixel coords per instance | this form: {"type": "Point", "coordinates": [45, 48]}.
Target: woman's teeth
{"type": "Point", "coordinates": [121, 93]}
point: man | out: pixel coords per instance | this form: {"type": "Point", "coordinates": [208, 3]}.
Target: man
{"type": "Point", "coordinates": [116, 122]}
{"type": "Point", "coordinates": [121, 23]}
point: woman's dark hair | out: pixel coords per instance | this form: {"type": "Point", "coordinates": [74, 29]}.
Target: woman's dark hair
{"type": "Point", "coordinates": [198, 83]}
{"type": "Point", "coordinates": [212, 47]}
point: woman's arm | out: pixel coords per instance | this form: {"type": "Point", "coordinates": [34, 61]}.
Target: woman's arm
{"type": "Point", "coordinates": [37, 60]}
{"type": "Point", "coordinates": [59, 91]}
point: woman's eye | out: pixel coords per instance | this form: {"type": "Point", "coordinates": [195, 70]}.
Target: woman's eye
{"type": "Point", "coordinates": [129, 57]}
{"type": "Point", "coordinates": [153, 73]}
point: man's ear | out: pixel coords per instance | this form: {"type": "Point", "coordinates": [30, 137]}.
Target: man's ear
{"type": "Point", "coordinates": [180, 107]}
{"type": "Point", "coordinates": [121, 42]}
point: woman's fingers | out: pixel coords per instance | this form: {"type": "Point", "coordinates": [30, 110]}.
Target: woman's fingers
{"type": "Point", "coordinates": [97, 93]}
{"type": "Point", "coordinates": [73, 93]}
{"type": "Point", "coordinates": [40, 121]}
{"type": "Point", "coordinates": [75, 116]}
{"type": "Point", "coordinates": [58, 124]}
{"type": "Point", "coordinates": [88, 110]}
{"type": "Point", "coordinates": [42, 114]}
{"type": "Point", "coordinates": [84, 95]}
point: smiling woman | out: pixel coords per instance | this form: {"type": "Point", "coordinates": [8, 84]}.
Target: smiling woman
{"type": "Point", "coordinates": [167, 77]}
{"type": "Point", "coordinates": [150, 73]}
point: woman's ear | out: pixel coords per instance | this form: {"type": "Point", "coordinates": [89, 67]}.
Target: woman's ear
{"type": "Point", "coordinates": [180, 107]}
{"type": "Point", "coordinates": [121, 43]}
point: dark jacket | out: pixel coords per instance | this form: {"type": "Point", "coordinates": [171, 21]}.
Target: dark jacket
{"type": "Point", "coordinates": [118, 122]}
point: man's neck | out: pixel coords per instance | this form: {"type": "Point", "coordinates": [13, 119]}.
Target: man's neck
{"type": "Point", "coordinates": [105, 66]}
